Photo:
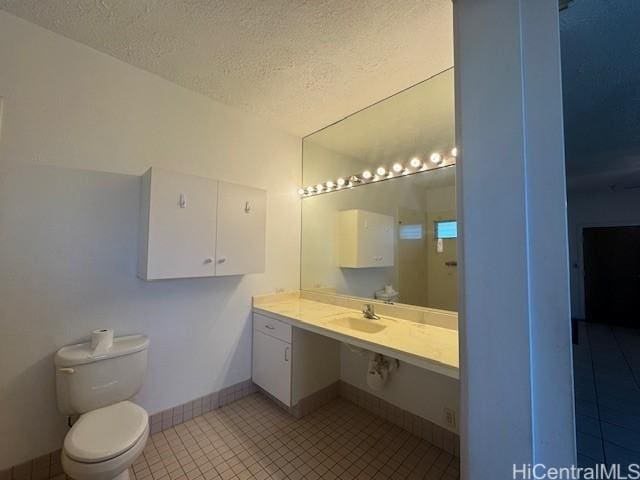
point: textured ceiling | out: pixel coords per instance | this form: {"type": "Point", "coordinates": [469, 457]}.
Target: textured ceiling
{"type": "Point", "coordinates": [301, 64]}
{"type": "Point", "coordinates": [601, 86]}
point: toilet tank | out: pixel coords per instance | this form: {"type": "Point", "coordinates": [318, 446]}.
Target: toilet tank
{"type": "Point", "coordinates": [85, 381]}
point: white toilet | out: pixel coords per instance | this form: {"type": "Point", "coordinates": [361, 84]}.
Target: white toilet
{"type": "Point", "coordinates": [111, 431]}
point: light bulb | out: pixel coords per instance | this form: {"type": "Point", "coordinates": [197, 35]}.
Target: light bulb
{"type": "Point", "coordinates": [381, 171]}
{"type": "Point", "coordinates": [309, 189]}
{"type": "Point", "coordinates": [435, 158]}
{"type": "Point", "coordinates": [397, 167]}
{"type": "Point", "coordinates": [415, 162]}
{"type": "Point", "coordinates": [454, 152]}
{"type": "Point", "coordinates": [340, 182]}
{"type": "Point", "coordinates": [319, 187]}
{"type": "Point", "coordinates": [330, 184]}
{"type": "Point", "coordinates": [366, 175]}
{"type": "Point", "coordinates": [301, 191]}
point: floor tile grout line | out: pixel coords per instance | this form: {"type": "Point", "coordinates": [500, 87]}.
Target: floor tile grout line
{"type": "Point", "coordinates": [236, 422]}
{"type": "Point", "coordinates": [626, 359]}
{"type": "Point", "coordinates": [595, 387]}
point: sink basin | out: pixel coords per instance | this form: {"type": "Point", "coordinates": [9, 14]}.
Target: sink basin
{"type": "Point", "coordinates": [358, 324]}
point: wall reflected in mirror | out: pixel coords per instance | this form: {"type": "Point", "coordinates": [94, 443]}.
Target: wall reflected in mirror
{"type": "Point", "coordinates": [394, 239]}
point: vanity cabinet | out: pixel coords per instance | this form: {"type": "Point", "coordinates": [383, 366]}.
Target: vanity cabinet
{"type": "Point", "coordinates": [271, 363]}
{"type": "Point", "coordinates": [199, 227]}
{"type": "Point", "coordinates": [290, 363]}
{"type": "Point", "coordinates": [365, 239]}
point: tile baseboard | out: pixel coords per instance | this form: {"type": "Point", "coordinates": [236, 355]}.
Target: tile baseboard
{"type": "Point", "coordinates": [414, 424]}
{"type": "Point", "coordinates": [418, 426]}
{"type": "Point", "coordinates": [316, 400]}
{"type": "Point", "coordinates": [186, 411]}
{"type": "Point", "coordinates": [49, 466]}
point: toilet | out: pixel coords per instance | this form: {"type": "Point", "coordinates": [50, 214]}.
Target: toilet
{"type": "Point", "coordinates": [111, 431]}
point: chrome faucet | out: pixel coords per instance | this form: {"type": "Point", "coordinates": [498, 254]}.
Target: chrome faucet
{"type": "Point", "coordinates": [369, 312]}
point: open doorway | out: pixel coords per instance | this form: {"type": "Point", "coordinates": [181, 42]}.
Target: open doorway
{"type": "Point", "coordinates": [601, 91]}
{"type": "Point", "coordinates": [611, 258]}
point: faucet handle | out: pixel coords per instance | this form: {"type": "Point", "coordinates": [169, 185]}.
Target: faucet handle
{"type": "Point", "coordinates": [369, 312]}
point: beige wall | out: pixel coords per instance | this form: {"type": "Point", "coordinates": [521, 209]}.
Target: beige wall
{"type": "Point", "coordinates": [442, 280]}
{"type": "Point", "coordinates": [79, 128]}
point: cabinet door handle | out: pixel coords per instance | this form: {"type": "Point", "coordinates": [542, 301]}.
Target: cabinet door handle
{"type": "Point", "coordinates": [208, 260]}
{"type": "Point", "coordinates": [247, 207]}
{"type": "Point", "coordinates": [286, 354]}
{"type": "Point", "coordinates": [222, 259]}
{"type": "Point", "coordinates": [269, 327]}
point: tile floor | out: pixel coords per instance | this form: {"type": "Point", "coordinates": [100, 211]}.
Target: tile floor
{"type": "Point", "coordinates": [253, 439]}
{"type": "Point", "coordinates": [607, 391]}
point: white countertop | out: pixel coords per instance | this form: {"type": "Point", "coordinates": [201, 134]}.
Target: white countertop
{"type": "Point", "coordinates": [426, 346]}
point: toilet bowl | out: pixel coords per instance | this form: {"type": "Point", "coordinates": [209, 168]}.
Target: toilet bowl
{"type": "Point", "coordinates": [103, 443]}
{"type": "Point", "coordinates": [111, 431]}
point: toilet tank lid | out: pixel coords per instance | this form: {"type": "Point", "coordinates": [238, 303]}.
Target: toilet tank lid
{"type": "Point", "coordinates": [82, 353]}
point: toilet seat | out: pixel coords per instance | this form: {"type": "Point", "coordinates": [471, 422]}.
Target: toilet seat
{"type": "Point", "coordinates": [105, 433]}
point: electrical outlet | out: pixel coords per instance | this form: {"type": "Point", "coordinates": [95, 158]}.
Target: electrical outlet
{"type": "Point", "coordinates": [450, 417]}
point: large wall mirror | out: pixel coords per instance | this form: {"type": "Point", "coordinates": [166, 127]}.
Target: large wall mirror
{"type": "Point", "coordinates": [379, 204]}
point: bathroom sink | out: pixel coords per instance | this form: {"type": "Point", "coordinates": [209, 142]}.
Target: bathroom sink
{"type": "Point", "coordinates": [357, 323]}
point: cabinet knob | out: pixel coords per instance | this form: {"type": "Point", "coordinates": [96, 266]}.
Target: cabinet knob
{"type": "Point", "coordinates": [222, 259]}
{"type": "Point", "coordinates": [208, 260]}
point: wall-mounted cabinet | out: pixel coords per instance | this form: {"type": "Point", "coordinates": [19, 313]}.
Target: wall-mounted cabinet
{"type": "Point", "coordinates": [365, 239]}
{"type": "Point", "coordinates": [198, 227]}
{"type": "Point", "coordinates": [240, 243]}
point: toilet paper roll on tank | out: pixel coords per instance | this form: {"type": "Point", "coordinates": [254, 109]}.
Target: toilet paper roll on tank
{"type": "Point", "coordinates": [101, 340]}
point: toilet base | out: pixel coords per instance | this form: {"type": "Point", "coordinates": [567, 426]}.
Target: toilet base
{"type": "Point", "coordinates": [123, 476]}
{"type": "Point", "coordinates": [113, 469]}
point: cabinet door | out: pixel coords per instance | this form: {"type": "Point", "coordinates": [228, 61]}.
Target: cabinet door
{"type": "Point", "coordinates": [240, 242]}
{"type": "Point", "coordinates": [272, 366]}
{"type": "Point", "coordinates": [182, 225]}
{"type": "Point", "coordinates": [375, 240]}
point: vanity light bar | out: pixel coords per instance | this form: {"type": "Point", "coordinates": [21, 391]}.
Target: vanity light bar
{"type": "Point", "coordinates": [398, 169]}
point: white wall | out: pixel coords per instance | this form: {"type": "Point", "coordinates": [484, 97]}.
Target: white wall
{"type": "Point", "coordinates": [417, 390]}
{"type": "Point", "coordinates": [515, 341]}
{"type": "Point", "coordinates": [78, 129]}
{"type": "Point", "coordinates": [319, 234]}
{"type": "Point", "coordinates": [592, 209]}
